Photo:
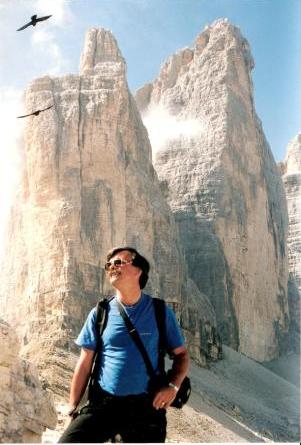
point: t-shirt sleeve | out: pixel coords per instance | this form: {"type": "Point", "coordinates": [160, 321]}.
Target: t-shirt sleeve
{"type": "Point", "coordinates": [88, 335]}
{"type": "Point", "coordinates": [174, 336]}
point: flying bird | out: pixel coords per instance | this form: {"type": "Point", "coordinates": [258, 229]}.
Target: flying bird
{"type": "Point", "coordinates": [34, 20]}
{"type": "Point", "coordinates": [35, 113]}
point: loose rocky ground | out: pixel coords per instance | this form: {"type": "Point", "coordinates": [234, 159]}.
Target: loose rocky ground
{"type": "Point", "coordinates": [236, 400]}
{"type": "Point", "coordinates": [206, 425]}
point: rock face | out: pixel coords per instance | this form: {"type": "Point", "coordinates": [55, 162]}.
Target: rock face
{"type": "Point", "coordinates": [26, 409]}
{"type": "Point", "coordinates": [223, 186]}
{"type": "Point", "coordinates": [88, 185]}
{"type": "Point", "coordinates": [291, 170]}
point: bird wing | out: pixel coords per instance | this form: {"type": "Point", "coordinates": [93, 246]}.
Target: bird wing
{"type": "Point", "coordinates": [36, 113]}
{"type": "Point", "coordinates": [40, 19]}
{"type": "Point", "coordinates": [47, 108]}
{"type": "Point", "coordinates": [25, 26]}
{"type": "Point", "coordinates": [25, 115]}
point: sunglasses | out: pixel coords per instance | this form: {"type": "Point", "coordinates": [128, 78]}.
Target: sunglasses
{"type": "Point", "coordinates": [117, 263]}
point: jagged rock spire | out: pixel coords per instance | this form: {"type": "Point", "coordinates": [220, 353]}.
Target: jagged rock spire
{"type": "Point", "coordinates": [292, 161]}
{"type": "Point", "coordinates": [100, 48]}
{"type": "Point", "coordinates": [223, 186]}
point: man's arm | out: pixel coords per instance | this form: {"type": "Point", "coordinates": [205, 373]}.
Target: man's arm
{"type": "Point", "coordinates": [180, 365]}
{"type": "Point", "coordinates": [80, 378]}
{"type": "Point", "coordinates": [179, 370]}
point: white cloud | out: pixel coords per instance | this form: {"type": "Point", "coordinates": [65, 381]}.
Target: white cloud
{"type": "Point", "coordinates": [163, 127]}
{"type": "Point", "coordinates": [10, 156]}
{"type": "Point", "coordinates": [43, 41]}
{"type": "Point", "coordinates": [38, 50]}
{"type": "Point", "coordinates": [59, 9]}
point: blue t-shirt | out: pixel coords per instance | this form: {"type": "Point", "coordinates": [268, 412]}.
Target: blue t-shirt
{"type": "Point", "coordinates": [122, 370]}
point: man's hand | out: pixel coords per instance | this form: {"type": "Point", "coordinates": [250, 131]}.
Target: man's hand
{"type": "Point", "coordinates": [164, 397]}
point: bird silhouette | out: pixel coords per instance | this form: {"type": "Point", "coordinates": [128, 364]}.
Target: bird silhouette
{"type": "Point", "coordinates": [35, 113]}
{"type": "Point", "coordinates": [34, 20]}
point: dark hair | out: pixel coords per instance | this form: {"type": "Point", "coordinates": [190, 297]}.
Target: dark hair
{"type": "Point", "coordinates": [137, 261]}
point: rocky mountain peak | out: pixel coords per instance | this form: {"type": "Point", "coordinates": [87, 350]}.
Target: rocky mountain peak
{"type": "Point", "coordinates": [220, 34]}
{"type": "Point", "coordinates": [292, 162]}
{"type": "Point", "coordinates": [221, 53]}
{"type": "Point", "coordinates": [223, 186]}
{"type": "Point", "coordinates": [100, 49]}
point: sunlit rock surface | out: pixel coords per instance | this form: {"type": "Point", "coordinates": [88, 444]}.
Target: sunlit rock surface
{"type": "Point", "coordinates": [26, 409]}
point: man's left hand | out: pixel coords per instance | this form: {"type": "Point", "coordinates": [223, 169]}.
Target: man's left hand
{"type": "Point", "coordinates": [164, 397]}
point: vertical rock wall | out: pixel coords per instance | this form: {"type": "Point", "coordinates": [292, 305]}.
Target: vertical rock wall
{"type": "Point", "coordinates": [223, 186]}
{"type": "Point", "coordinates": [291, 171]}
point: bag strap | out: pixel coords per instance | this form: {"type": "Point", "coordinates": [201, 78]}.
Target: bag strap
{"type": "Point", "coordinates": [102, 315]}
{"type": "Point", "coordinates": [160, 314]}
{"type": "Point", "coordinates": [100, 322]}
{"type": "Point", "coordinates": [137, 340]}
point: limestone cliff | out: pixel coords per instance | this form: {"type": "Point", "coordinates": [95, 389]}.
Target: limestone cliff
{"type": "Point", "coordinates": [291, 170]}
{"type": "Point", "coordinates": [223, 186]}
{"type": "Point", "coordinates": [88, 185]}
{"type": "Point", "coordinates": [26, 408]}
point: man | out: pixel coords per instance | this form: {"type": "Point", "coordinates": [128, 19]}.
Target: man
{"type": "Point", "coordinates": [120, 405]}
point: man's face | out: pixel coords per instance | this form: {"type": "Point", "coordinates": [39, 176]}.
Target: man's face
{"type": "Point", "coordinates": [124, 273]}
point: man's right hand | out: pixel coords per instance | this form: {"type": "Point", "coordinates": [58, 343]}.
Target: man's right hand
{"type": "Point", "coordinates": [80, 379]}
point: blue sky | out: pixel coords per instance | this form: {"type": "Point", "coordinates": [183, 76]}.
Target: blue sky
{"type": "Point", "coordinates": [148, 31]}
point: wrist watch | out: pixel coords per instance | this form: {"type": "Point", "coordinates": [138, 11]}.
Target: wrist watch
{"type": "Point", "coordinates": [172, 385]}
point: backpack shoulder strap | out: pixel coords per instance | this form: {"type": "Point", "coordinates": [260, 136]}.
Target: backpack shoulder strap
{"type": "Point", "coordinates": [100, 322]}
{"type": "Point", "coordinates": [160, 314]}
{"type": "Point", "coordinates": [102, 315]}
